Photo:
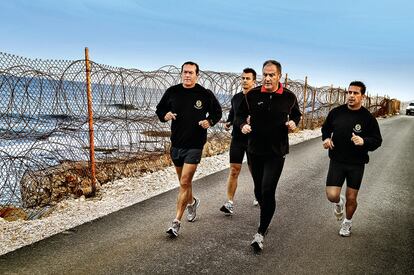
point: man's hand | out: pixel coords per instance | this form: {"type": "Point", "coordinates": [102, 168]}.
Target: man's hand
{"type": "Point", "coordinates": [170, 115]}
{"type": "Point", "coordinates": [227, 126]}
{"type": "Point", "coordinates": [328, 144]}
{"type": "Point", "coordinates": [204, 123]}
{"type": "Point", "coordinates": [291, 125]}
{"type": "Point", "coordinates": [246, 129]}
{"type": "Point", "coordinates": [357, 140]}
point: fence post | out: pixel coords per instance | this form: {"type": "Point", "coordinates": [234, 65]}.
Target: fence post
{"type": "Point", "coordinates": [286, 80]}
{"type": "Point", "coordinates": [345, 92]}
{"type": "Point", "coordinates": [90, 120]}
{"type": "Point", "coordinates": [304, 102]}
{"type": "Point", "coordinates": [313, 105]}
{"type": "Point", "coordinates": [330, 97]}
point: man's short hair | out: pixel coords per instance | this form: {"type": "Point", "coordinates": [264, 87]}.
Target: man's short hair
{"type": "Point", "coordinates": [359, 84]}
{"type": "Point", "coordinates": [273, 62]}
{"type": "Point", "coordinates": [190, 63]}
{"type": "Point", "coordinates": [250, 71]}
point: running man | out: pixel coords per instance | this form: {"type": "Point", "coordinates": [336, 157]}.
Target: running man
{"type": "Point", "coordinates": [273, 110]}
{"type": "Point", "coordinates": [192, 110]}
{"type": "Point", "coordinates": [349, 132]}
{"type": "Point", "coordinates": [238, 145]}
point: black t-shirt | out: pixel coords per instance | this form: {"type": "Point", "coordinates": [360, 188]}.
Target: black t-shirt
{"type": "Point", "coordinates": [339, 125]}
{"type": "Point", "coordinates": [191, 106]}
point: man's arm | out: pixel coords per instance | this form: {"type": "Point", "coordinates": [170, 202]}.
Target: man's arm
{"type": "Point", "coordinates": [374, 140]}
{"type": "Point", "coordinates": [242, 112]}
{"type": "Point", "coordinates": [215, 112]}
{"type": "Point", "coordinates": [327, 132]}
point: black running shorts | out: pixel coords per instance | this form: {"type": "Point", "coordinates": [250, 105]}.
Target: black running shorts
{"type": "Point", "coordinates": [339, 171]}
{"type": "Point", "coordinates": [179, 156]}
{"type": "Point", "coordinates": [237, 151]}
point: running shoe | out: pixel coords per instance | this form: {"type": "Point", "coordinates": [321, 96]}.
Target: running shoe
{"type": "Point", "coordinates": [192, 210]}
{"type": "Point", "coordinates": [257, 242]}
{"type": "Point", "coordinates": [339, 208]}
{"type": "Point", "coordinates": [174, 228]}
{"type": "Point", "coordinates": [345, 230]}
{"type": "Point", "coordinates": [228, 208]}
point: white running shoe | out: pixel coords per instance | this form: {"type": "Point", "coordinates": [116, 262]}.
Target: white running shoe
{"type": "Point", "coordinates": [339, 208]}
{"type": "Point", "coordinates": [257, 242]}
{"type": "Point", "coordinates": [192, 210]}
{"type": "Point", "coordinates": [345, 230]}
{"type": "Point", "coordinates": [255, 202]}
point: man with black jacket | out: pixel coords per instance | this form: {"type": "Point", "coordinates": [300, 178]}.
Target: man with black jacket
{"type": "Point", "coordinates": [238, 145]}
{"type": "Point", "coordinates": [349, 132]}
{"type": "Point", "coordinates": [273, 110]}
{"type": "Point", "coordinates": [192, 110]}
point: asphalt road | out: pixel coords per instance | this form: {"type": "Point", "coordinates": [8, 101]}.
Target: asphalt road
{"type": "Point", "coordinates": [303, 237]}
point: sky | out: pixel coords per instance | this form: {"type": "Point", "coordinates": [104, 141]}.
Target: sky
{"type": "Point", "coordinates": [330, 42]}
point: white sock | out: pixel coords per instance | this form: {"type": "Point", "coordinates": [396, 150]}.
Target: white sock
{"type": "Point", "coordinates": [347, 221]}
{"type": "Point", "coordinates": [230, 201]}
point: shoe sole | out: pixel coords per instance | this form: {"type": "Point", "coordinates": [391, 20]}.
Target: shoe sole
{"type": "Point", "coordinates": [339, 216]}
{"type": "Point", "coordinates": [226, 211]}
{"type": "Point", "coordinates": [256, 246]}
{"type": "Point", "coordinates": [171, 232]}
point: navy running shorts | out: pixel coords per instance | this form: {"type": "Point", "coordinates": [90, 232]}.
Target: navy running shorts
{"type": "Point", "coordinates": [179, 156]}
{"type": "Point", "coordinates": [339, 172]}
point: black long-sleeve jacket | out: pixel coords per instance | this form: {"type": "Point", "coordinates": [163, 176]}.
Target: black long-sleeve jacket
{"type": "Point", "coordinates": [236, 133]}
{"type": "Point", "coordinates": [191, 106]}
{"type": "Point", "coordinates": [339, 125]}
{"type": "Point", "coordinates": [269, 113]}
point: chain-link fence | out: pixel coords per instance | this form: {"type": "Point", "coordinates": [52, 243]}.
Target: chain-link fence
{"type": "Point", "coordinates": [44, 123]}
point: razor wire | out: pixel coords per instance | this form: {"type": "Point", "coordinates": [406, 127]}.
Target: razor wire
{"type": "Point", "coordinates": [44, 141]}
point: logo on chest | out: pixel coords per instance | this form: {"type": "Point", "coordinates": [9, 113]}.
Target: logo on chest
{"type": "Point", "coordinates": [357, 128]}
{"type": "Point", "coordinates": [198, 105]}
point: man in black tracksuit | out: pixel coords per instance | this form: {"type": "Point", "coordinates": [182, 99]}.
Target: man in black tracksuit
{"type": "Point", "coordinates": [349, 132]}
{"type": "Point", "coordinates": [192, 109]}
{"type": "Point", "coordinates": [273, 111]}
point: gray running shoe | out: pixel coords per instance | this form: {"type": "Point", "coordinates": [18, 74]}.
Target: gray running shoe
{"type": "Point", "coordinates": [257, 242]}
{"type": "Point", "coordinates": [345, 230]}
{"type": "Point", "coordinates": [174, 228]}
{"type": "Point", "coordinates": [192, 210]}
{"type": "Point", "coordinates": [227, 208]}
{"type": "Point", "coordinates": [339, 208]}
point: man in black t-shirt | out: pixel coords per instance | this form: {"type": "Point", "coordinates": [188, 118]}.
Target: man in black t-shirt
{"type": "Point", "coordinates": [192, 110]}
{"type": "Point", "coordinates": [349, 132]}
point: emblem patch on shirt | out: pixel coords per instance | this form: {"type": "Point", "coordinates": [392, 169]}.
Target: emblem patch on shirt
{"type": "Point", "coordinates": [357, 128]}
{"type": "Point", "coordinates": [198, 105]}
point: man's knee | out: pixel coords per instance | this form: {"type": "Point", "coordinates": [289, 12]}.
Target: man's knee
{"type": "Point", "coordinates": [333, 193]}
{"type": "Point", "coordinates": [235, 170]}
